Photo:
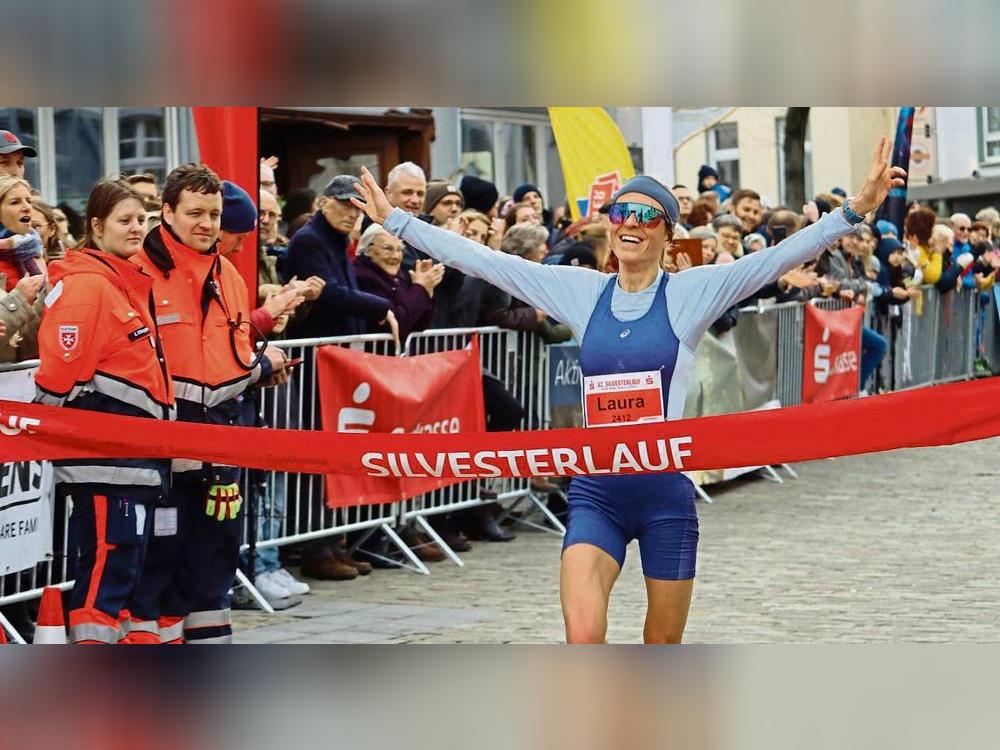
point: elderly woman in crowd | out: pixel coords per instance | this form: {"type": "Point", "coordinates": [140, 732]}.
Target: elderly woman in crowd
{"type": "Point", "coordinates": [753, 242]}
{"type": "Point", "coordinates": [729, 228]}
{"type": "Point", "coordinates": [378, 267]}
{"type": "Point", "coordinates": [709, 243]}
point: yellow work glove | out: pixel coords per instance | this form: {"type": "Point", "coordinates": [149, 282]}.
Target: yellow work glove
{"type": "Point", "coordinates": [224, 501]}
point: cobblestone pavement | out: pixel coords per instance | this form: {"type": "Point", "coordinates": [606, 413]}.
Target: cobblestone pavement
{"type": "Point", "coordinates": [894, 547]}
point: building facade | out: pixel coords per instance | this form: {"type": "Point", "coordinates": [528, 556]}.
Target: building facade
{"type": "Point", "coordinates": [746, 146]}
{"type": "Point", "coordinates": [77, 146]}
{"type": "Point", "coordinates": [956, 158]}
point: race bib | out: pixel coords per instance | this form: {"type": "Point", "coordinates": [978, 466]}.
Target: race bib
{"type": "Point", "coordinates": [623, 398]}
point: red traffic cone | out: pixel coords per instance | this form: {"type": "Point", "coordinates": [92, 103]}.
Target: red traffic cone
{"type": "Point", "coordinates": [3, 635]}
{"type": "Point", "coordinates": [51, 626]}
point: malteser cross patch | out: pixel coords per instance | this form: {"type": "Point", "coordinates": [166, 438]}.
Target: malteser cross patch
{"type": "Point", "coordinates": [69, 337]}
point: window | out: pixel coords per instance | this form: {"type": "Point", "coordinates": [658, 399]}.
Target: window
{"type": "Point", "coordinates": [989, 128]}
{"type": "Point", "coordinates": [779, 124]}
{"type": "Point", "coordinates": [517, 144]}
{"type": "Point", "coordinates": [724, 153]}
{"type": "Point", "coordinates": [510, 147]}
{"type": "Point", "coordinates": [79, 141]}
{"type": "Point", "coordinates": [331, 166]}
{"type": "Point", "coordinates": [79, 145]}
{"type": "Point", "coordinates": [142, 141]}
{"type": "Point", "coordinates": [21, 122]}
{"type": "Point", "coordinates": [477, 149]}
{"type": "Point", "coordinates": [555, 183]}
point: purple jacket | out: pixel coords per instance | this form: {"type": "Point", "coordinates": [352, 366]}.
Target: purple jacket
{"type": "Point", "coordinates": [410, 302]}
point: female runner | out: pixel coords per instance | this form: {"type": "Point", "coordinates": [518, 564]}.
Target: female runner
{"type": "Point", "coordinates": [644, 323]}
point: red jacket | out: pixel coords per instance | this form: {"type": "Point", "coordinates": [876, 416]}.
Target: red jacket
{"type": "Point", "coordinates": [198, 296]}
{"type": "Point", "coordinates": [99, 350]}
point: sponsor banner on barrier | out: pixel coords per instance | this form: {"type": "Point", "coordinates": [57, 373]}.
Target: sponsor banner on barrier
{"type": "Point", "coordinates": [953, 413]}
{"type": "Point", "coordinates": [831, 354]}
{"type": "Point", "coordinates": [367, 393]}
{"type": "Point", "coordinates": [25, 512]}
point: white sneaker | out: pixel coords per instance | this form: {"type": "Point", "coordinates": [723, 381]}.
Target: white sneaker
{"type": "Point", "coordinates": [290, 582]}
{"type": "Point", "coordinates": [271, 587]}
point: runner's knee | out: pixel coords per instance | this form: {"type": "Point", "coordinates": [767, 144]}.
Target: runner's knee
{"type": "Point", "coordinates": [584, 626]}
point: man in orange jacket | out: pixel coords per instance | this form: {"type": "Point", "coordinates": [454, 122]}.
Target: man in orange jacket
{"type": "Point", "coordinates": [203, 314]}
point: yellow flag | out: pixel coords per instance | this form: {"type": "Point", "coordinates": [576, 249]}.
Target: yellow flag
{"type": "Point", "coordinates": [595, 159]}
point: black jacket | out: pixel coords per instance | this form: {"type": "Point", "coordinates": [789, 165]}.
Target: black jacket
{"type": "Point", "coordinates": [342, 309]}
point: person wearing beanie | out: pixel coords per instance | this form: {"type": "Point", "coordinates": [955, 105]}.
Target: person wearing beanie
{"type": "Point", "coordinates": [480, 195]}
{"type": "Point", "coordinates": [528, 193]}
{"type": "Point", "coordinates": [443, 203]}
{"type": "Point", "coordinates": [708, 179]}
{"type": "Point", "coordinates": [640, 325]}
{"type": "Point", "coordinates": [239, 218]}
{"type": "Point", "coordinates": [887, 229]}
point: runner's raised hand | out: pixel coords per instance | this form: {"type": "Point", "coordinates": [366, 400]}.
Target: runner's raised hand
{"type": "Point", "coordinates": [881, 178]}
{"type": "Point", "coordinates": [375, 204]}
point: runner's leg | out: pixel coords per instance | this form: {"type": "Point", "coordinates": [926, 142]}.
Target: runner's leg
{"type": "Point", "coordinates": [587, 574]}
{"type": "Point", "coordinates": [666, 610]}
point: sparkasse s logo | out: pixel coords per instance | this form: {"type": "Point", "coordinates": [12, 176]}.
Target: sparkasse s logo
{"type": "Point", "coordinates": [846, 361]}
{"type": "Point", "coordinates": [821, 359]}
{"type": "Point", "coordinates": [11, 424]}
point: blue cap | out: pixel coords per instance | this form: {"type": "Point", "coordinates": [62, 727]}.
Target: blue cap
{"type": "Point", "coordinates": [239, 214]}
{"type": "Point", "coordinates": [654, 189]}
{"type": "Point", "coordinates": [886, 227]}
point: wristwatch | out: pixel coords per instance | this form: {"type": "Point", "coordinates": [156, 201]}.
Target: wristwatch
{"type": "Point", "coordinates": [852, 216]}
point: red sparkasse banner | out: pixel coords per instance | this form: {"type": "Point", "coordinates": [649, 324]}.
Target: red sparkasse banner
{"type": "Point", "coordinates": [366, 393]}
{"type": "Point", "coordinates": [831, 360]}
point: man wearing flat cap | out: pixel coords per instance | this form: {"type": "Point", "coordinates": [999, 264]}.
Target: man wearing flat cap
{"type": "Point", "coordinates": [319, 248]}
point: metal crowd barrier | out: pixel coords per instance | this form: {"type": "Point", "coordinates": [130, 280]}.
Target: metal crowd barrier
{"type": "Point", "coordinates": [291, 507]}
{"type": "Point", "coordinates": [933, 341]}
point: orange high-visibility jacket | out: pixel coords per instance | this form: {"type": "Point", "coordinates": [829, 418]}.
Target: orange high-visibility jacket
{"type": "Point", "coordinates": [202, 312]}
{"type": "Point", "coordinates": [99, 350]}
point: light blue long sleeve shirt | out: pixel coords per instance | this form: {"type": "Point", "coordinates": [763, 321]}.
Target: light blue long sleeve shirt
{"type": "Point", "coordinates": [695, 298]}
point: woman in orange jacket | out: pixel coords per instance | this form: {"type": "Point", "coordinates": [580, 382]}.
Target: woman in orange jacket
{"type": "Point", "coordinates": [100, 350]}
